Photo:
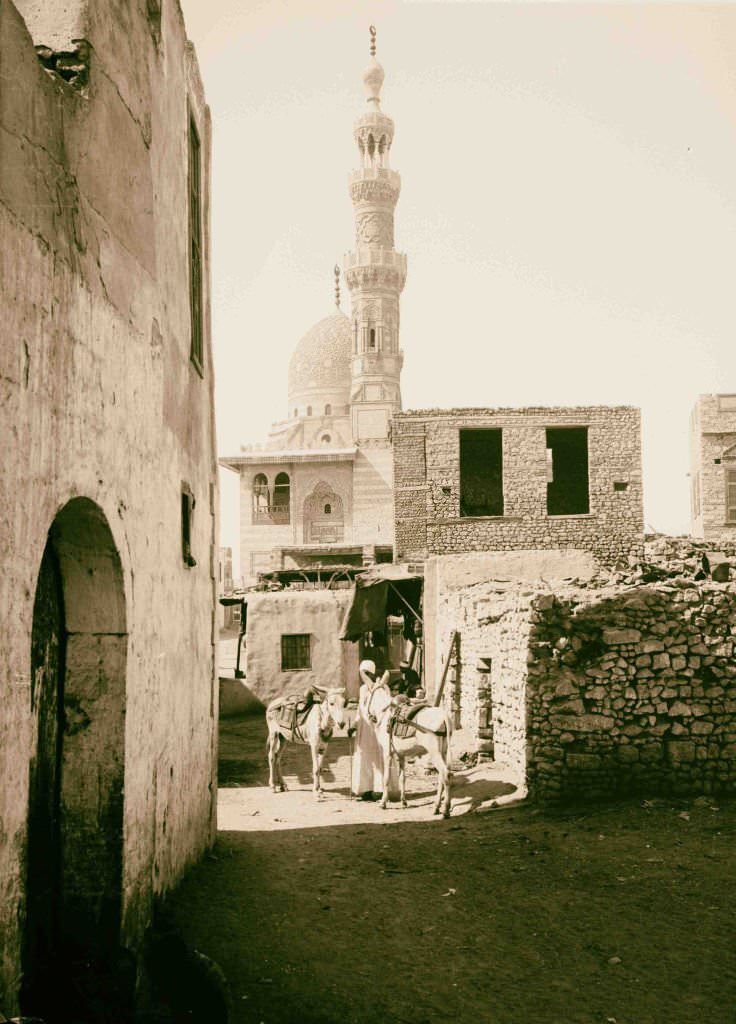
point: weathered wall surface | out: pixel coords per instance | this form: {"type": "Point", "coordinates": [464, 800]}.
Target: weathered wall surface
{"type": "Point", "coordinates": [632, 689]}
{"type": "Point", "coordinates": [272, 614]}
{"type": "Point", "coordinates": [485, 597]}
{"type": "Point", "coordinates": [712, 455]}
{"type": "Point", "coordinates": [427, 483]}
{"type": "Point", "coordinates": [98, 398]}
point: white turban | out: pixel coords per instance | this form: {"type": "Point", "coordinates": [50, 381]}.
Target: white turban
{"type": "Point", "coordinates": [367, 670]}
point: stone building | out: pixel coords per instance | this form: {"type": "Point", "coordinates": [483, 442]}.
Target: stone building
{"type": "Point", "coordinates": [320, 490]}
{"type": "Point", "coordinates": [107, 489]}
{"type": "Point", "coordinates": [713, 467]}
{"type": "Point", "coordinates": [518, 479]}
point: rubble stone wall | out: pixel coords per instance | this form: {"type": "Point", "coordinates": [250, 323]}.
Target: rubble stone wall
{"type": "Point", "coordinates": [632, 688]}
{"type": "Point", "coordinates": [427, 483]}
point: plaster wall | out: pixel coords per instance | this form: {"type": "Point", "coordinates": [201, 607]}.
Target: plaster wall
{"type": "Point", "coordinates": [272, 614]}
{"type": "Point", "coordinates": [98, 398]}
{"type": "Point", "coordinates": [373, 521]}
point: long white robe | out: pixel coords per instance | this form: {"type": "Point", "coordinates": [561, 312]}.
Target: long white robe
{"type": "Point", "coordinates": [367, 759]}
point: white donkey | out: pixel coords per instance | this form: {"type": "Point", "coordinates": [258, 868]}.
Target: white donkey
{"type": "Point", "coordinates": [312, 725]}
{"type": "Point", "coordinates": [403, 732]}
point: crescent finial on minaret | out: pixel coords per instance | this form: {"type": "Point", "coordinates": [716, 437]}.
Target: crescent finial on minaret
{"type": "Point", "coordinates": [337, 286]}
{"type": "Point", "coordinates": [373, 40]}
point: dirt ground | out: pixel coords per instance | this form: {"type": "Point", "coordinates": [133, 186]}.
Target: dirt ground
{"type": "Point", "coordinates": [620, 914]}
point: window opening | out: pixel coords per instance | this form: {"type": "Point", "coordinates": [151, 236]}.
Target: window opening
{"type": "Point", "coordinates": [328, 410]}
{"type": "Point", "coordinates": [281, 498]}
{"type": "Point", "coordinates": [326, 439]}
{"type": "Point", "coordinates": [195, 245]}
{"type": "Point", "coordinates": [296, 654]}
{"type": "Point", "coordinates": [372, 338]}
{"type": "Point", "coordinates": [187, 515]}
{"type": "Point", "coordinates": [309, 410]}
{"type": "Point", "coordinates": [731, 495]}
{"type": "Point", "coordinates": [481, 472]}
{"type": "Point", "coordinates": [328, 510]}
{"type": "Point", "coordinates": [567, 490]}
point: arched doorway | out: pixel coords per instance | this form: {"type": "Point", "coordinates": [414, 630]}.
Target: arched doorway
{"type": "Point", "coordinates": [74, 859]}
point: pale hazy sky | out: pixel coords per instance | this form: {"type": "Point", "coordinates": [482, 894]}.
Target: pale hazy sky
{"type": "Point", "coordinates": [568, 204]}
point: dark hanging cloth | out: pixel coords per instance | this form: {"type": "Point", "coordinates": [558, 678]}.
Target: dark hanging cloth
{"type": "Point", "coordinates": [376, 597]}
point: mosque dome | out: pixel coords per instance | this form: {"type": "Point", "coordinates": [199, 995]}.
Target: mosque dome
{"type": "Point", "coordinates": [321, 360]}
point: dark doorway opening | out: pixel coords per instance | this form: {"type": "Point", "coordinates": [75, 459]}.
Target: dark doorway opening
{"type": "Point", "coordinates": [481, 473]}
{"type": "Point", "coordinates": [74, 968]}
{"type": "Point", "coordinates": [567, 481]}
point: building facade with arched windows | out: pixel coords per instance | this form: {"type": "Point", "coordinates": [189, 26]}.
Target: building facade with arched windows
{"type": "Point", "coordinates": [320, 489]}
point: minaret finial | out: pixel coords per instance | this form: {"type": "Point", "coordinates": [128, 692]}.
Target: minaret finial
{"type": "Point", "coordinates": [337, 286]}
{"type": "Point", "coordinates": [373, 40]}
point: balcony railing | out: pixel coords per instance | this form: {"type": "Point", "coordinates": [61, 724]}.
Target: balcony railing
{"type": "Point", "coordinates": [276, 515]}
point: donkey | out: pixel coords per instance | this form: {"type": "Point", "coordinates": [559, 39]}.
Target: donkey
{"type": "Point", "coordinates": [313, 726]}
{"type": "Point", "coordinates": [425, 730]}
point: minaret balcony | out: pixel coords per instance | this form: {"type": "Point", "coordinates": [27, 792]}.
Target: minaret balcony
{"type": "Point", "coordinates": [376, 257]}
{"type": "Point", "coordinates": [393, 178]}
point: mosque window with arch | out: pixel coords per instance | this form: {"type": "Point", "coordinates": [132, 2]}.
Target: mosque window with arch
{"type": "Point", "coordinates": [271, 507]}
{"type": "Point", "coordinates": [328, 410]}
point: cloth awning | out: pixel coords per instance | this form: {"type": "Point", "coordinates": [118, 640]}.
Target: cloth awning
{"type": "Point", "coordinates": [382, 591]}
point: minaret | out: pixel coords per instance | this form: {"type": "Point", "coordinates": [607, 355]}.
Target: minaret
{"type": "Point", "coordinates": [375, 272]}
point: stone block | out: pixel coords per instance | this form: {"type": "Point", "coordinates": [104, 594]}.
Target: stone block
{"type": "Point", "coordinates": [680, 751]}
{"type": "Point", "coordinates": [582, 762]}
{"type": "Point", "coordinates": [621, 636]}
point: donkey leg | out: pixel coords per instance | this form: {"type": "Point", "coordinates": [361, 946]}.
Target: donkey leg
{"type": "Point", "coordinates": [316, 769]}
{"type": "Point", "coordinates": [386, 759]}
{"type": "Point", "coordinates": [269, 752]}
{"type": "Point", "coordinates": [280, 744]}
{"type": "Point", "coordinates": [402, 781]}
{"type": "Point", "coordinates": [439, 764]}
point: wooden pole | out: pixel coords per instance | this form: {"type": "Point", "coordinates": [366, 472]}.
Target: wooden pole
{"type": "Point", "coordinates": [453, 641]}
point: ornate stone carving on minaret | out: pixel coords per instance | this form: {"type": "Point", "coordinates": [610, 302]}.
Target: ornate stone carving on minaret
{"type": "Point", "coordinates": [375, 273]}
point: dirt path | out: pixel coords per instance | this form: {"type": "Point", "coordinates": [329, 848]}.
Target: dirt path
{"type": "Point", "coordinates": [620, 915]}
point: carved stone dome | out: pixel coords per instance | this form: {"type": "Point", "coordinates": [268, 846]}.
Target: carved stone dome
{"type": "Point", "coordinates": [321, 360]}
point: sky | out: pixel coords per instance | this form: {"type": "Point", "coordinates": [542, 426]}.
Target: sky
{"type": "Point", "coordinates": [568, 205]}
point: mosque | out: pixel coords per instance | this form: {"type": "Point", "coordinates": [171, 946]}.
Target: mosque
{"type": "Point", "coordinates": [319, 492]}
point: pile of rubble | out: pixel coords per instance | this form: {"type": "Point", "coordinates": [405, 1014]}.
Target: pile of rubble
{"type": "Point", "coordinates": [669, 558]}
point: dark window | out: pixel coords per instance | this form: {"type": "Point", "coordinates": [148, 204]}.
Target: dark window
{"type": "Point", "coordinates": [567, 483]}
{"type": "Point", "coordinates": [372, 338]}
{"type": "Point", "coordinates": [328, 409]}
{"type": "Point", "coordinates": [187, 515]}
{"type": "Point", "coordinates": [731, 495]}
{"type": "Point", "coordinates": [281, 498]}
{"type": "Point", "coordinates": [481, 473]}
{"type": "Point", "coordinates": [328, 510]}
{"type": "Point", "coordinates": [195, 244]}
{"type": "Point", "coordinates": [621, 485]}
{"type": "Point", "coordinates": [296, 653]}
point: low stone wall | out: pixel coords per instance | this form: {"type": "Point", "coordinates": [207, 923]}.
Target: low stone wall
{"type": "Point", "coordinates": [632, 689]}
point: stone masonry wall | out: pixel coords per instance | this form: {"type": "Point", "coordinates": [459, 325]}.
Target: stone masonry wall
{"type": "Point", "coordinates": [427, 483]}
{"type": "Point", "coordinates": [712, 438]}
{"type": "Point", "coordinates": [632, 689]}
